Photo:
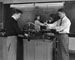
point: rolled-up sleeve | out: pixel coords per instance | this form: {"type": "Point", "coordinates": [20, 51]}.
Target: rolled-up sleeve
{"type": "Point", "coordinates": [52, 26]}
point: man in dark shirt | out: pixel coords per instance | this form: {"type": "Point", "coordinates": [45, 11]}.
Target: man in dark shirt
{"type": "Point", "coordinates": [12, 25]}
{"type": "Point", "coordinates": [13, 31]}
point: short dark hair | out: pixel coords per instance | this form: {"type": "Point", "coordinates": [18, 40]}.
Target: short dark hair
{"type": "Point", "coordinates": [61, 10]}
{"type": "Point", "coordinates": [55, 17]}
{"type": "Point", "coordinates": [13, 11]}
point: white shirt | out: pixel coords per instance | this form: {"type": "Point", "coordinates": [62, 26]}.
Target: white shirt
{"type": "Point", "coordinates": [63, 28]}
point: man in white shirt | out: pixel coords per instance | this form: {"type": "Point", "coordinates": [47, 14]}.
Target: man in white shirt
{"type": "Point", "coordinates": [62, 26]}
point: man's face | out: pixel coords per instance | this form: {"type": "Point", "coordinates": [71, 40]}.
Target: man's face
{"type": "Point", "coordinates": [18, 15]}
{"type": "Point", "coordinates": [61, 14]}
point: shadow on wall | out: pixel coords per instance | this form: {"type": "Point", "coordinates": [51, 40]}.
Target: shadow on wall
{"type": "Point", "coordinates": [69, 7]}
{"type": "Point", "coordinates": [26, 17]}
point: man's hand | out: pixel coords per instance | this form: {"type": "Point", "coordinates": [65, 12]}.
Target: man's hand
{"type": "Point", "coordinates": [20, 35]}
{"type": "Point", "coordinates": [26, 35]}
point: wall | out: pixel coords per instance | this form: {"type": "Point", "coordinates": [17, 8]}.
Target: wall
{"type": "Point", "coordinates": [1, 15]}
{"type": "Point", "coordinates": [22, 1]}
{"type": "Point", "coordinates": [70, 12]}
{"type": "Point", "coordinates": [72, 43]}
{"type": "Point", "coordinates": [1, 0]}
{"type": "Point", "coordinates": [28, 15]}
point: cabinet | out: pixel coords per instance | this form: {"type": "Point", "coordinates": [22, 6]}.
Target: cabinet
{"type": "Point", "coordinates": [37, 49]}
{"type": "Point", "coordinates": [3, 48]}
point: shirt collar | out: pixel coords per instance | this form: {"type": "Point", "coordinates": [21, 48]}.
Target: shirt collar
{"type": "Point", "coordinates": [14, 17]}
{"type": "Point", "coordinates": [63, 18]}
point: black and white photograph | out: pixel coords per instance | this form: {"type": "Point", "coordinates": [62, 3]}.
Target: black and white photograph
{"type": "Point", "coordinates": [37, 30]}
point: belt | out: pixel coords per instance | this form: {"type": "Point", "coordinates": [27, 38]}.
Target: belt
{"type": "Point", "coordinates": [60, 33]}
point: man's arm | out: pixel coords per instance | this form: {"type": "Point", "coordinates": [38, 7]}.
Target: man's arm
{"type": "Point", "coordinates": [52, 26]}
{"type": "Point", "coordinates": [39, 23]}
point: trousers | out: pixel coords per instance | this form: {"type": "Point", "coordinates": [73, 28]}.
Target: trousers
{"type": "Point", "coordinates": [12, 47]}
{"type": "Point", "coordinates": [62, 47]}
